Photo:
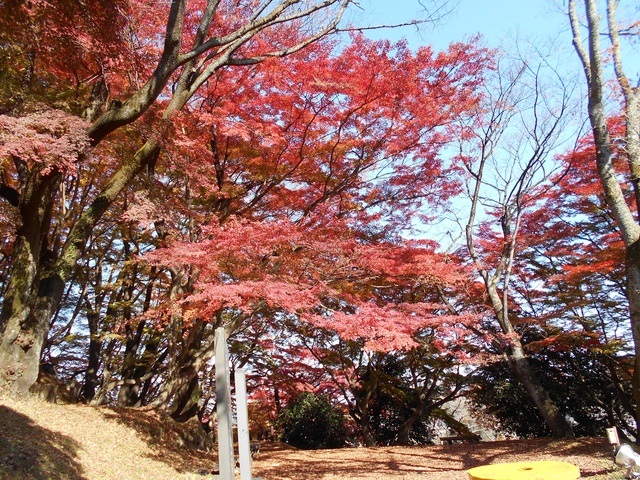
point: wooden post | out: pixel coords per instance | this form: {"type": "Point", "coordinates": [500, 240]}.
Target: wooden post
{"type": "Point", "coordinates": [244, 441]}
{"type": "Point", "coordinates": [226, 459]}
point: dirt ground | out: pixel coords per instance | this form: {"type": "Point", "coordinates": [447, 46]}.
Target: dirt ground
{"type": "Point", "coordinates": [43, 441]}
{"type": "Point", "coordinates": [441, 462]}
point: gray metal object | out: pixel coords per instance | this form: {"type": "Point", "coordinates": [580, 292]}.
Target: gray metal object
{"type": "Point", "coordinates": [626, 457]}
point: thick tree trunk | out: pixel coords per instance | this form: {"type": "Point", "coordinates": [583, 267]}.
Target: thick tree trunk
{"type": "Point", "coordinates": [633, 294]}
{"type": "Point", "coordinates": [521, 368]}
{"type": "Point", "coordinates": [22, 330]}
{"type": "Point", "coordinates": [405, 427]}
{"type": "Point", "coordinates": [20, 354]}
{"type": "Point", "coordinates": [178, 394]}
{"type": "Point", "coordinates": [361, 414]}
{"type": "Point", "coordinates": [186, 395]}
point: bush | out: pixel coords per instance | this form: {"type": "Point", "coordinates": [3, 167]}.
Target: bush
{"type": "Point", "coordinates": [312, 422]}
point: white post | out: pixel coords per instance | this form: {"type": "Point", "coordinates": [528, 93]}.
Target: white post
{"type": "Point", "coordinates": [244, 441]}
{"type": "Point", "coordinates": [226, 460]}
{"type": "Point", "coordinates": [614, 440]}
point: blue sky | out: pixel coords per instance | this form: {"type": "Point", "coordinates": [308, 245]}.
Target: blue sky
{"type": "Point", "coordinates": [541, 20]}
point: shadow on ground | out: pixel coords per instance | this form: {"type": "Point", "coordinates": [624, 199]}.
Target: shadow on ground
{"type": "Point", "coordinates": [30, 452]}
{"type": "Point", "coordinates": [183, 446]}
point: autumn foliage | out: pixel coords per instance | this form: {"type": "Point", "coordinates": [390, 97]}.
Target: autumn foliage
{"type": "Point", "coordinates": [169, 168]}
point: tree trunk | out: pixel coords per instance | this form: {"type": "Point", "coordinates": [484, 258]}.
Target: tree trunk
{"type": "Point", "coordinates": [95, 345]}
{"type": "Point", "coordinates": [129, 394]}
{"type": "Point", "coordinates": [22, 331]}
{"type": "Point", "coordinates": [361, 414]}
{"type": "Point", "coordinates": [177, 396]}
{"type": "Point", "coordinates": [186, 395]}
{"type": "Point", "coordinates": [405, 427]}
{"type": "Point", "coordinates": [520, 366]}
{"type": "Point", "coordinates": [368, 436]}
{"type": "Point", "coordinates": [633, 294]}
{"type": "Point", "coordinates": [557, 423]}
{"type": "Point", "coordinates": [135, 366]}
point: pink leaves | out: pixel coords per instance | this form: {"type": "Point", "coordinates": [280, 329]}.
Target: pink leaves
{"type": "Point", "coordinates": [249, 295]}
{"type": "Point", "coordinates": [307, 169]}
{"type": "Point", "coordinates": [322, 276]}
{"type": "Point", "coordinates": [50, 138]}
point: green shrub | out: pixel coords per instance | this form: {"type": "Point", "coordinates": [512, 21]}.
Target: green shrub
{"type": "Point", "coordinates": [311, 422]}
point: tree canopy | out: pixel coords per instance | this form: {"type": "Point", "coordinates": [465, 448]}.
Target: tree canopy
{"type": "Point", "coordinates": [169, 168]}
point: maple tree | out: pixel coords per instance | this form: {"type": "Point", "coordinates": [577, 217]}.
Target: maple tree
{"type": "Point", "coordinates": [624, 205]}
{"type": "Point", "coordinates": [341, 154]}
{"type": "Point", "coordinates": [199, 38]}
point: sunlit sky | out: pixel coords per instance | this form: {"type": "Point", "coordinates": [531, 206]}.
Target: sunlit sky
{"type": "Point", "coordinates": [495, 20]}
